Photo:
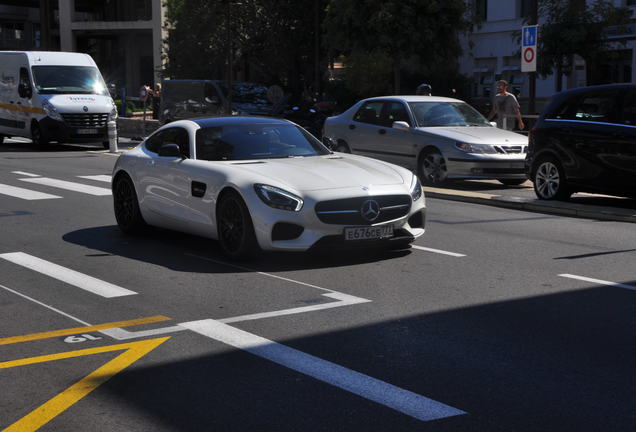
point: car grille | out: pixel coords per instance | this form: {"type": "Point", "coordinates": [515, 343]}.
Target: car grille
{"type": "Point", "coordinates": [511, 149]}
{"type": "Point", "coordinates": [348, 211]}
{"type": "Point", "coordinates": [89, 121]}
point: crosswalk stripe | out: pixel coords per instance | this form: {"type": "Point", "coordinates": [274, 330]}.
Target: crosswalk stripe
{"type": "Point", "coordinates": [72, 186]}
{"type": "Point", "coordinates": [71, 277]}
{"type": "Point", "coordinates": [101, 178]}
{"type": "Point", "coordinates": [26, 174]}
{"type": "Point", "coordinates": [25, 194]}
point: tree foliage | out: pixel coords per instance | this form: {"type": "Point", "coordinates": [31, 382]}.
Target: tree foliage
{"type": "Point", "coordinates": [413, 36]}
{"type": "Point", "coordinates": [575, 27]}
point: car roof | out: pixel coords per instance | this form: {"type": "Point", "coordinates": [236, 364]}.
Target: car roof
{"type": "Point", "coordinates": [237, 120]}
{"type": "Point", "coordinates": [622, 86]}
{"type": "Point", "coordinates": [414, 98]}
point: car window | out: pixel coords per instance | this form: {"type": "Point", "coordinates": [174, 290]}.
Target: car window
{"type": "Point", "coordinates": [256, 141]}
{"type": "Point", "coordinates": [566, 110]}
{"type": "Point", "coordinates": [369, 112]}
{"type": "Point", "coordinates": [629, 109]}
{"type": "Point", "coordinates": [433, 114]}
{"type": "Point", "coordinates": [394, 111]}
{"type": "Point", "coordinates": [173, 135]}
{"type": "Point", "coordinates": [598, 107]}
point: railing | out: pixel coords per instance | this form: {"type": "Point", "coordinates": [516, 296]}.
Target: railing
{"type": "Point", "coordinates": [528, 120]}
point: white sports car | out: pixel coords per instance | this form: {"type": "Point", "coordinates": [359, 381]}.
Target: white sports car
{"type": "Point", "coordinates": [262, 183]}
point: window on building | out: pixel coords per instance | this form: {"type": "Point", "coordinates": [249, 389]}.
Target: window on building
{"type": "Point", "coordinates": [12, 36]}
{"type": "Point", "coordinates": [113, 10]}
{"type": "Point", "coordinates": [481, 10]}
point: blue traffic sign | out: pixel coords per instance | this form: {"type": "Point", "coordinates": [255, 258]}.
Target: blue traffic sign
{"type": "Point", "coordinates": [529, 36]}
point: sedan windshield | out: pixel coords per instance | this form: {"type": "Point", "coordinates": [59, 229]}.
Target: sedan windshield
{"type": "Point", "coordinates": [69, 80]}
{"type": "Point", "coordinates": [430, 114]}
{"type": "Point", "coordinates": [256, 141]}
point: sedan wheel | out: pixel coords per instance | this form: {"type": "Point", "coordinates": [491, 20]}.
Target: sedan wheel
{"type": "Point", "coordinates": [235, 229]}
{"type": "Point", "coordinates": [127, 211]}
{"type": "Point", "coordinates": [549, 181]}
{"type": "Point", "coordinates": [342, 148]}
{"type": "Point", "coordinates": [433, 170]}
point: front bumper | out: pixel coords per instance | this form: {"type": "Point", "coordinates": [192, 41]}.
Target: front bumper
{"type": "Point", "coordinates": [486, 168]}
{"type": "Point", "coordinates": [55, 130]}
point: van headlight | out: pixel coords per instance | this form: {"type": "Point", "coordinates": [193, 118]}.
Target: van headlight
{"type": "Point", "coordinates": [416, 188]}
{"type": "Point", "coordinates": [475, 148]}
{"type": "Point", "coordinates": [278, 198]}
{"type": "Point", "coordinates": [50, 111]}
{"type": "Point", "coordinates": [112, 115]}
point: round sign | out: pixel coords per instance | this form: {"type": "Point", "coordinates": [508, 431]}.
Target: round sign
{"type": "Point", "coordinates": [528, 55]}
{"type": "Point", "coordinates": [275, 94]}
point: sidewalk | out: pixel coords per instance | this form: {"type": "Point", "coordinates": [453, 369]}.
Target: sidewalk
{"type": "Point", "coordinates": [589, 206]}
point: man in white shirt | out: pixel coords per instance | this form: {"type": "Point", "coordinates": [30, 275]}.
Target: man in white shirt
{"type": "Point", "coordinates": [505, 105]}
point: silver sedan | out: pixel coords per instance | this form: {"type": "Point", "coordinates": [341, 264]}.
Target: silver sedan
{"type": "Point", "coordinates": [441, 138]}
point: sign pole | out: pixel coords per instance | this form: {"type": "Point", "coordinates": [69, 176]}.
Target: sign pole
{"type": "Point", "coordinates": [534, 20]}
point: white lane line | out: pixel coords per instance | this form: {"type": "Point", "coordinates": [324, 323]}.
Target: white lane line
{"type": "Point", "coordinates": [71, 277]}
{"type": "Point", "coordinates": [121, 334]}
{"type": "Point", "coordinates": [62, 184]}
{"type": "Point", "coordinates": [598, 281]}
{"type": "Point", "coordinates": [26, 174]}
{"type": "Point", "coordinates": [438, 251]}
{"type": "Point", "coordinates": [45, 305]}
{"type": "Point", "coordinates": [101, 178]}
{"type": "Point", "coordinates": [25, 194]}
{"type": "Point", "coordinates": [404, 401]}
{"type": "Point", "coordinates": [343, 300]}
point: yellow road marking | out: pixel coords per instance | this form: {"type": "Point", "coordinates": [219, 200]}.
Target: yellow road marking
{"type": "Point", "coordinates": [12, 107]}
{"type": "Point", "coordinates": [76, 330]}
{"type": "Point", "coordinates": [60, 403]}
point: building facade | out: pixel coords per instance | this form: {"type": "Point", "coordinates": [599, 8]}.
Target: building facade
{"type": "Point", "coordinates": [492, 52]}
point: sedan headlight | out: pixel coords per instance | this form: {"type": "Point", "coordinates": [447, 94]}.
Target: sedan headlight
{"type": "Point", "coordinates": [278, 198]}
{"type": "Point", "coordinates": [50, 110]}
{"type": "Point", "coordinates": [416, 188]}
{"type": "Point", "coordinates": [475, 148]}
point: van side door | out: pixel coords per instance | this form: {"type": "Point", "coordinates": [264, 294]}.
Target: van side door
{"type": "Point", "coordinates": [24, 101]}
{"type": "Point", "coordinates": [9, 80]}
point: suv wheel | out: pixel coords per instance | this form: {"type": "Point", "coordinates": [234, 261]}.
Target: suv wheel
{"type": "Point", "coordinates": [549, 180]}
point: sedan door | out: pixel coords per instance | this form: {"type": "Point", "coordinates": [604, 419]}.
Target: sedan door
{"type": "Point", "coordinates": [366, 130]}
{"type": "Point", "coordinates": [398, 146]}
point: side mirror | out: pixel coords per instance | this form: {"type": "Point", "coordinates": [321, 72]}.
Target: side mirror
{"type": "Point", "coordinates": [170, 150]}
{"type": "Point", "coordinates": [25, 91]}
{"type": "Point", "coordinates": [401, 125]}
{"type": "Point", "coordinates": [493, 124]}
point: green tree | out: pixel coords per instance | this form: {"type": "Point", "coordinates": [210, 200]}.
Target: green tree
{"type": "Point", "coordinates": [575, 27]}
{"type": "Point", "coordinates": [411, 36]}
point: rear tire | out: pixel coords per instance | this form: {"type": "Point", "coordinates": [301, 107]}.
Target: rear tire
{"type": "Point", "coordinates": [235, 229]}
{"type": "Point", "coordinates": [126, 206]}
{"type": "Point", "coordinates": [548, 178]}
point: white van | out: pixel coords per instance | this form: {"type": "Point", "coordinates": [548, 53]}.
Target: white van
{"type": "Point", "coordinates": [53, 96]}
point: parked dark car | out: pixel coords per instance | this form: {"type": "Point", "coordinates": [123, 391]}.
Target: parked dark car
{"type": "Point", "coordinates": [585, 141]}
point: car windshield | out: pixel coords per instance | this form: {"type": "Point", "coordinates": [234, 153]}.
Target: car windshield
{"type": "Point", "coordinates": [431, 114]}
{"type": "Point", "coordinates": [256, 141]}
{"type": "Point", "coordinates": [69, 80]}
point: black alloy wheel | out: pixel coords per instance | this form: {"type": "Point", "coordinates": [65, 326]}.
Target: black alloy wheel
{"type": "Point", "coordinates": [235, 229]}
{"type": "Point", "coordinates": [126, 206]}
{"type": "Point", "coordinates": [549, 180]}
{"type": "Point", "coordinates": [38, 138]}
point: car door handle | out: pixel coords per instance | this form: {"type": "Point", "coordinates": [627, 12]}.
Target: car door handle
{"type": "Point", "coordinates": [382, 131]}
{"type": "Point", "coordinates": [352, 126]}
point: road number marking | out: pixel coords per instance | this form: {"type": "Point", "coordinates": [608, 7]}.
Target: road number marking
{"type": "Point", "coordinates": [82, 338]}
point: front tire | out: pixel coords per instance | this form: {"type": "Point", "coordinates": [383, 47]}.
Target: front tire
{"type": "Point", "coordinates": [432, 168]}
{"type": "Point", "coordinates": [235, 229]}
{"type": "Point", "coordinates": [37, 136]}
{"type": "Point", "coordinates": [549, 180]}
{"type": "Point", "coordinates": [126, 206]}
{"type": "Point", "coordinates": [342, 147]}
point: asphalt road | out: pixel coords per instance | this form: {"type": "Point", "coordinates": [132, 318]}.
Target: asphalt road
{"type": "Point", "coordinates": [497, 320]}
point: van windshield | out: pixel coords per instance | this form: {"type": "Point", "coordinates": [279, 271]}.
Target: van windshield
{"type": "Point", "coordinates": [69, 79]}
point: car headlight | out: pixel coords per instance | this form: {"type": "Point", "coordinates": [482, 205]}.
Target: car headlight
{"type": "Point", "coordinates": [416, 188]}
{"type": "Point", "coordinates": [475, 148]}
{"type": "Point", "coordinates": [50, 110]}
{"type": "Point", "coordinates": [278, 198]}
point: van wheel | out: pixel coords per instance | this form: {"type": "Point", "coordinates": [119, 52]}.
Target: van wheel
{"type": "Point", "coordinates": [549, 180]}
{"type": "Point", "coordinates": [38, 138]}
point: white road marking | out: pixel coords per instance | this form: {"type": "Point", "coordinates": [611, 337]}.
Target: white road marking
{"type": "Point", "coordinates": [62, 184]}
{"type": "Point", "coordinates": [45, 305]}
{"type": "Point", "coordinates": [101, 178]}
{"type": "Point", "coordinates": [438, 251]}
{"type": "Point", "coordinates": [404, 401]}
{"type": "Point", "coordinates": [71, 277]}
{"type": "Point", "coordinates": [598, 281]}
{"type": "Point", "coordinates": [26, 174]}
{"type": "Point", "coordinates": [25, 194]}
{"type": "Point", "coordinates": [121, 334]}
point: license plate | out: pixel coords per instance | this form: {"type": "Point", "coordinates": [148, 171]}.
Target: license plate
{"type": "Point", "coordinates": [368, 233]}
{"type": "Point", "coordinates": [87, 131]}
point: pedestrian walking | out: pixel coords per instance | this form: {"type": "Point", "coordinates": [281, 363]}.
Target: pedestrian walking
{"type": "Point", "coordinates": [156, 101]}
{"type": "Point", "coordinates": [506, 108]}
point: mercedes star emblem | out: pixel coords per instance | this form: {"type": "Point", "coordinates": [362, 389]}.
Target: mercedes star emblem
{"type": "Point", "coordinates": [370, 210]}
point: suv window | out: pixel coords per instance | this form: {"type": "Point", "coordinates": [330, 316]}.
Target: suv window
{"type": "Point", "coordinates": [369, 112]}
{"type": "Point", "coordinates": [394, 111]}
{"type": "Point", "coordinates": [173, 135]}
{"type": "Point", "coordinates": [597, 107]}
{"type": "Point", "coordinates": [629, 109]}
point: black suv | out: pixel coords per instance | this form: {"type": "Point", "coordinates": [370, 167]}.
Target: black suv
{"type": "Point", "coordinates": [585, 140]}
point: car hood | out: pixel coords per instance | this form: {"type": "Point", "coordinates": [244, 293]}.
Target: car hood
{"type": "Point", "coordinates": [478, 135]}
{"type": "Point", "coordinates": [80, 103]}
{"type": "Point", "coordinates": [324, 172]}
